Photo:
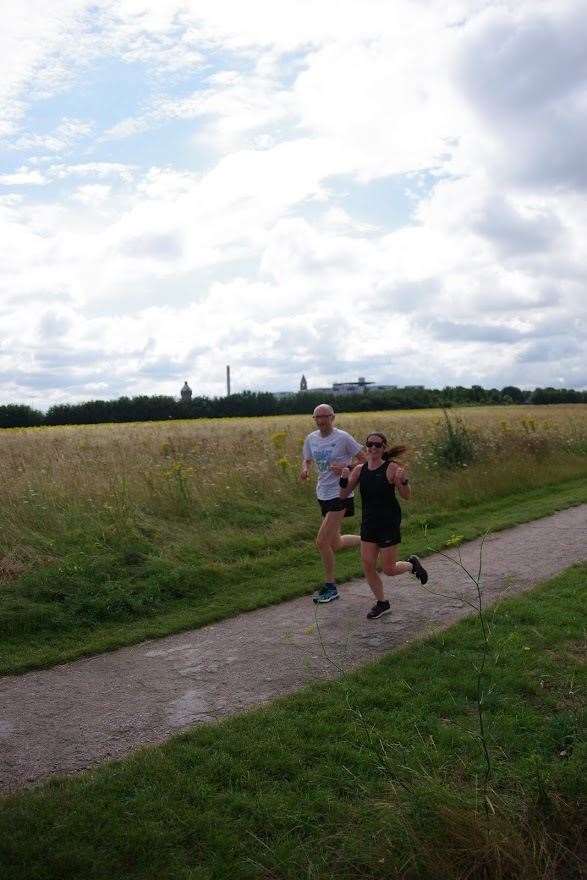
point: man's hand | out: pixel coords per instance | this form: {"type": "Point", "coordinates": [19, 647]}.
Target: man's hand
{"type": "Point", "coordinates": [304, 472]}
{"type": "Point", "coordinates": [337, 467]}
{"type": "Point", "coordinates": [343, 482]}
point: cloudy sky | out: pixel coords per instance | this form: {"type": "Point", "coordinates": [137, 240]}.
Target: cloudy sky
{"type": "Point", "coordinates": [331, 187]}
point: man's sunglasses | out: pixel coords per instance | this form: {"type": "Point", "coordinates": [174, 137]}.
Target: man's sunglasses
{"type": "Point", "coordinates": [374, 443]}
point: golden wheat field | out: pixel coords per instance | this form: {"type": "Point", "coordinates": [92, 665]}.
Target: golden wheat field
{"type": "Point", "coordinates": [167, 467]}
{"type": "Point", "coordinates": [106, 524]}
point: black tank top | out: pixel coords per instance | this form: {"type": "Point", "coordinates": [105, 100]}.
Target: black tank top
{"type": "Point", "coordinates": [378, 496]}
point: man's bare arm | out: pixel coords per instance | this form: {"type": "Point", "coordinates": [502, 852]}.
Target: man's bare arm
{"type": "Point", "coordinates": [359, 458]}
{"type": "Point", "coordinates": [353, 479]}
{"type": "Point", "coordinates": [305, 468]}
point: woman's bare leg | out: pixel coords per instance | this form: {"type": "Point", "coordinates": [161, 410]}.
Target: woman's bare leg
{"type": "Point", "coordinates": [391, 566]}
{"type": "Point", "coordinates": [369, 554]}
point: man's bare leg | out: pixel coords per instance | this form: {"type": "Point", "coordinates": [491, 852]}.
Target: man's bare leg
{"type": "Point", "coordinates": [329, 540]}
{"type": "Point", "coordinates": [346, 541]}
{"type": "Point", "coordinates": [326, 541]}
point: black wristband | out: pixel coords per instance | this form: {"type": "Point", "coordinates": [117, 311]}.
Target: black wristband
{"type": "Point", "coordinates": [343, 482]}
{"type": "Point", "coordinates": [405, 482]}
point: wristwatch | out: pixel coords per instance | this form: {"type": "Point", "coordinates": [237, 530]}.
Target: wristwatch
{"type": "Point", "coordinates": [405, 482]}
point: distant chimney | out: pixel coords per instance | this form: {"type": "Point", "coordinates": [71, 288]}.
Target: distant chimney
{"type": "Point", "coordinates": [228, 380]}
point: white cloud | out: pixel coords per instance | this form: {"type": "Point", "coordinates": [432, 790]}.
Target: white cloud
{"type": "Point", "coordinates": [92, 193]}
{"type": "Point", "coordinates": [250, 248]}
{"type": "Point", "coordinates": [23, 177]}
{"type": "Point", "coordinates": [92, 169]}
{"type": "Point", "coordinates": [67, 133]}
{"type": "Point", "coordinates": [524, 76]}
{"type": "Point", "coordinates": [39, 50]}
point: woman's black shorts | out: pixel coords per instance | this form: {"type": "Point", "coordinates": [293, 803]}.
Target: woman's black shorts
{"type": "Point", "coordinates": [383, 536]}
{"type": "Point", "coordinates": [346, 504]}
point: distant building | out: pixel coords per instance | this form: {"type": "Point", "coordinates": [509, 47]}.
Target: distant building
{"type": "Point", "coordinates": [303, 387]}
{"type": "Point", "coordinates": [351, 387]}
{"type": "Point", "coordinates": [186, 392]}
{"type": "Point", "coordinates": [361, 386]}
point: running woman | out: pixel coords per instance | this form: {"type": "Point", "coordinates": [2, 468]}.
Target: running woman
{"type": "Point", "coordinates": [378, 478]}
{"type": "Point", "coordinates": [331, 449]}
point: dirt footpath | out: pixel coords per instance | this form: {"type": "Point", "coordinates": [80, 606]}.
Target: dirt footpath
{"type": "Point", "coordinates": [67, 718]}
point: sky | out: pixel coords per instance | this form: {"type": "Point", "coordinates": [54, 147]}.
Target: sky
{"type": "Point", "coordinates": [334, 188]}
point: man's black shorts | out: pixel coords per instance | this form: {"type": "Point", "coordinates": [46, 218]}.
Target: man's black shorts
{"type": "Point", "coordinates": [386, 536]}
{"type": "Point", "coordinates": [346, 504]}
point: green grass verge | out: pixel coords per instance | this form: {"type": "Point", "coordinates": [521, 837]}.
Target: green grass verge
{"type": "Point", "coordinates": [201, 591]}
{"type": "Point", "coordinates": [375, 776]}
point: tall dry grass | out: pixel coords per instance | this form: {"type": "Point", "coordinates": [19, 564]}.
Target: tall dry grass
{"type": "Point", "coordinates": [110, 478]}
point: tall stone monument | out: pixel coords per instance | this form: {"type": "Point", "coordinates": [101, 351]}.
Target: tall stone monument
{"type": "Point", "coordinates": [186, 392]}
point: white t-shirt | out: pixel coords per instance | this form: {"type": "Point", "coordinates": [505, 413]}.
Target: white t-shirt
{"type": "Point", "coordinates": [337, 447]}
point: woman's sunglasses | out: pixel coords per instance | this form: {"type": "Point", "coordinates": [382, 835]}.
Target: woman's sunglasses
{"type": "Point", "coordinates": [374, 443]}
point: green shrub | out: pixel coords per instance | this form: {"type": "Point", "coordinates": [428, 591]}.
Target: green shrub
{"type": "Point", "coordinates": [453, 445]}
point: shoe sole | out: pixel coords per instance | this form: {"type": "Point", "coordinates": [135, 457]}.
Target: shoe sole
{"type": "Point", "coordinates": [422, 574]}
{"type": "Point", "coordinates": [383, 613]}
{"type": "Point", "coordinates": [318, 601]}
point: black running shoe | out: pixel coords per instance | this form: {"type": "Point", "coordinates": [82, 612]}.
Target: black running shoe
{"type": "Point", "coordinates": [378, 610]}
{"type": "Point", "coordinates": [418, 569]}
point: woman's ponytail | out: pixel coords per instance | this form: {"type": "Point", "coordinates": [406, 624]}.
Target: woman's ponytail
{"type": "Point", "coordinates": [389, 453]}
{"type": "Point", "coordinates": [394, 452]}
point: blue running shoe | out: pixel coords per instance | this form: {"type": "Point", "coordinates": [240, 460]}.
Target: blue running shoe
{"type": "Point", "coordinates": [327, 594]}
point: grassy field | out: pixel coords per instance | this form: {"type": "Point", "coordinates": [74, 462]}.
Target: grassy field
{"type": "Point", "coordinates": [378, 775]}
{"type": "Point", "coordinates": [112, 533]}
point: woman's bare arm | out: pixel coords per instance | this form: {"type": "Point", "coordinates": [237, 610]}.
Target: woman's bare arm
{"type": "Point", "coordinates": [398, 477]}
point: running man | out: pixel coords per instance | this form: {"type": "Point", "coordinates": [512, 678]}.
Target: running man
{"type": "Point", "coordinates": [331, 449]}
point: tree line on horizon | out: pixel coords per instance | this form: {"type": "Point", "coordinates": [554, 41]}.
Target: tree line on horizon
{"type": "Point", "coordinates": [159, 407]}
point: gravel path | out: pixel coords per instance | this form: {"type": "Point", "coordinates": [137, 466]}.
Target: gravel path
{"type": "Point", "coordinates": [67, 718]}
